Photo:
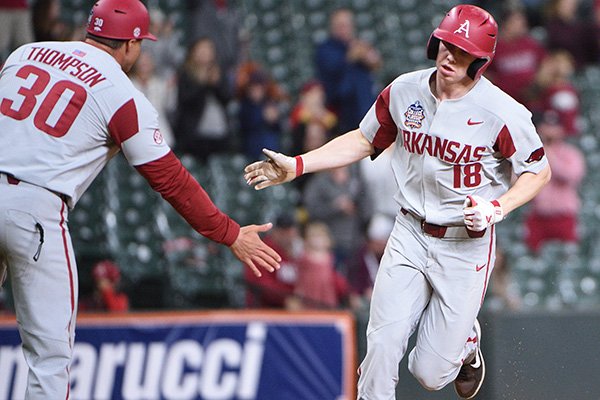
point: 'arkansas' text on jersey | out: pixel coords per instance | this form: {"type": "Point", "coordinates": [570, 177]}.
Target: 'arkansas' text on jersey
{"type": "Point", "coordinates": [444, 149]}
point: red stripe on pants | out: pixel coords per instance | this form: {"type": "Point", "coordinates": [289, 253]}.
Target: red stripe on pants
{"type": "Point", "coordinates": [66, 247]}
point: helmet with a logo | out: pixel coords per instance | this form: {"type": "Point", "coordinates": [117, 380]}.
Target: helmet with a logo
{"type": "Point", "coordinates": [120, 20]}
{"type": "Point", "coordinates": [471, 29]}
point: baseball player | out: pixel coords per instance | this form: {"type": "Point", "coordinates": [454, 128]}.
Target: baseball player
{"type": "Point", "coordinates": [457, 139]}
{"type": "Point", "coordinates": [65, 110]}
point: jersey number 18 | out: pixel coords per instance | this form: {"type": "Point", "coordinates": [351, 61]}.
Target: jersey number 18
{"type": "Point", "coordinates": [468, 175]}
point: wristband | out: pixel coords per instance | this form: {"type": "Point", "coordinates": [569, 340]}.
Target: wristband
{"type": "Point", "coordinates": [299, 166]}
{"type": "Point", "coordinates": [498, 211]}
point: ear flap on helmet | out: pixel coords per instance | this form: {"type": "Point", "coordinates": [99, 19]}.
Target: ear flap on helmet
{"type": "Point", "coordinates": [433, 46]}
{"type": "Point", "coordinates": [475, 67]}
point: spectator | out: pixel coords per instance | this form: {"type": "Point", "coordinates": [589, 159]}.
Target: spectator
{"type": "Point", "coordinates": [277, 289]}
{"type": "Point", "coordinates": [554, 212]}
{"type": "Point", "coordinates": [160, 92]}
{"type": "Point", "coordinates": [518, 56]}
{"type": "Point", "coordinates": [380, 185]}
{"type": "Point", "coordinates": [167, 52]}
{"type": "Point", "coordinates": [260, 109]}
{"type": "Point", "coordinates": [47, 23]}
{"type": "Point", "coordinates": [311, 122]}
{"type": "Point", "coordinates": [106, 296]}
{"type": "Point", "coordinates": [201, 126]}
{"type": "Point", "coordinates": [345, 66]}
{"type": "Point", "coordinates": [554, 90]}
{"type": "Point", "coordinates": [336, 197]}
{"type": "Point", "coordinates": [593, 32]}
{"type": "Point", "coordinates": [565, 30]}
{"type": "Point", "coordinates": [365, 264]}
{"type": "Point", "coordinates": [319, 285]}
{"type": "Point", "coordinates": [216, 20]}
{"type": "Point", "coordinates": [15, 26]}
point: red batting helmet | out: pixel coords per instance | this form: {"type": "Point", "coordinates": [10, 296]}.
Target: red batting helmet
{"type": "Point", "coordinates": [471, 29]}
{"type": "Point", "coordinates": [120, 19]}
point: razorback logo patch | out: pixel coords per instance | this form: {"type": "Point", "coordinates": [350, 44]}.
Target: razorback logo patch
{"type": "Point", "coordinates": [536, 155]}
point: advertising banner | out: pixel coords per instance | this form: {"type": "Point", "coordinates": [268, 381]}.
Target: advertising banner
{"type": "Point", "coordinates": [237, 355]}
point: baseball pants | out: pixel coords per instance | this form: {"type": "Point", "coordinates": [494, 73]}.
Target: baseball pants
{"type": "Point", "coordinates": [435, 284]}
{"type": "Point", "coordinates": [35, 246]}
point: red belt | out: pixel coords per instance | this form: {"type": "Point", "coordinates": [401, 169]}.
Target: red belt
{"type": "Point", "coordinates": [12, 180]}
{"type": "Point", "coordinates": [439, 231]}
{"type": "Point", "coordinates": [15, 181]}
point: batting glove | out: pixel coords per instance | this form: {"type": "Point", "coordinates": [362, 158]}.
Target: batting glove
{"type": "Point", "coordinates": [277, 169]}
{"type": "Point", "coordinates": [479, 213]}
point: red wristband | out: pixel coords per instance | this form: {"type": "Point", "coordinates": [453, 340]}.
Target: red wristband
{"type": "Point", "coordinates": [299, 166]}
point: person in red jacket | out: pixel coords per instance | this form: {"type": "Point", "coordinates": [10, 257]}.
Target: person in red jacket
{"type": "Point", "coordinates": [518, 56]}
{"type": "Point", "coordinates": [276, 290]}
{"type": "Point", "coordinates": [106, 295]}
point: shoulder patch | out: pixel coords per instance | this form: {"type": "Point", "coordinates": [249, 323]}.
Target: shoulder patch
{"type": "Point", "coordinates": [536, 155]}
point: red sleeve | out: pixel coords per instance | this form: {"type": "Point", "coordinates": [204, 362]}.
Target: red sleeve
{"type": "Point", "coordinates": [387, 132]}
{"type": "Point", "coordinates": [124, 123]}
{"type": "Point", "coordinates": [176, 185]}
{"type": "Point", "coordinates": [504, 143]}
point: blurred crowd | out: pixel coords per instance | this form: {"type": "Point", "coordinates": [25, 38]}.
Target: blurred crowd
{"type": "Point", "coordinates": [214, 98]}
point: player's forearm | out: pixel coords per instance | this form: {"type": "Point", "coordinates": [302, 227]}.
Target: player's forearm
{"type": "Point", "coordinates": [525, 188]}
{"type": "Point", "coordinates": [176, 185]}
{"type": "Point", "coordinates": [341, 151]}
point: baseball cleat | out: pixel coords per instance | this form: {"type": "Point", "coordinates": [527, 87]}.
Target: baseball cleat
{"type": "Point", "coordinates": [471, 374]}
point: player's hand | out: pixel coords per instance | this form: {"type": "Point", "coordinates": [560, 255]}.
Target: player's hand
{"type": "Point", "coordinates": [252, 251]}
{"type": "Point", "coordinates": [479, 213]}
{"type": "Point", "coordinates": [277, 169]}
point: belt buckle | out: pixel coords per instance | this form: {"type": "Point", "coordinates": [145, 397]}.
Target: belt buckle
{"type": "Point", "coordinates": [423, 226]}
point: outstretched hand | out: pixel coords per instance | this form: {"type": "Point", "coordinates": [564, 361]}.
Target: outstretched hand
{"type": "Point", "coordinates": [277, 169]}
{"type": "Point", "coordinates": [252, 251]}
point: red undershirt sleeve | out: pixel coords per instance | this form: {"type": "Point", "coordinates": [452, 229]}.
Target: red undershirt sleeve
{"type": "Point", "coordinates": [176, 185]}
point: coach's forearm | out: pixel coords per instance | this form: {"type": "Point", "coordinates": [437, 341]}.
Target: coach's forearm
{"type": "Point", "coordinates": [525, 188]}
{"type": "Point", "coordinates": [341, 151]}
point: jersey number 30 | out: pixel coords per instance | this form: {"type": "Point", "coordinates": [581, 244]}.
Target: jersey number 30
{"type": "Point", "coordinates": [62, 121]}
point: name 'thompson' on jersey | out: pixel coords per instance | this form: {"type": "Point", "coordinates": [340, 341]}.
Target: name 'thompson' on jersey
{"type": "Point", "coordinates": [66, 108]}
{"type": "Point", "coordinates": [446, 150]}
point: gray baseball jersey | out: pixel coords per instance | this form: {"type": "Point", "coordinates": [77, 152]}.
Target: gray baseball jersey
{"type": "Point", "coordinates": [447, 150]}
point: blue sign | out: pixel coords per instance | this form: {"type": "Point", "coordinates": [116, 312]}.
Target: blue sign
{"type": "Point", "coordinates": [208, 356]}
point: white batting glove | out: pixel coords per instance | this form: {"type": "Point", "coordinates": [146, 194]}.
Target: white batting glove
{"type": "Point", "coordinates": [278, 169]}
{"type": "Point", "coordinates": [478, 213]}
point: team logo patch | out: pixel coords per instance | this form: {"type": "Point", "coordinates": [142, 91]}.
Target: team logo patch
{"type": "Point", "coordinates": [536, 155]}
{"type": "Point", "coordinates": [137, 31]}
{"type": "Point", "coordinates": [158, 137]}
{"type": "Point", "coordinates": [415, 114]}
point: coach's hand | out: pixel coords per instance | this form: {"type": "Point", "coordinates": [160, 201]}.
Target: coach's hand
{"type": "Point", "coordinates": [479, 213]}
{"type": "Point", "coordinates": [277, 169]}
{"type": "Point", "coordinates": [252, 251]}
